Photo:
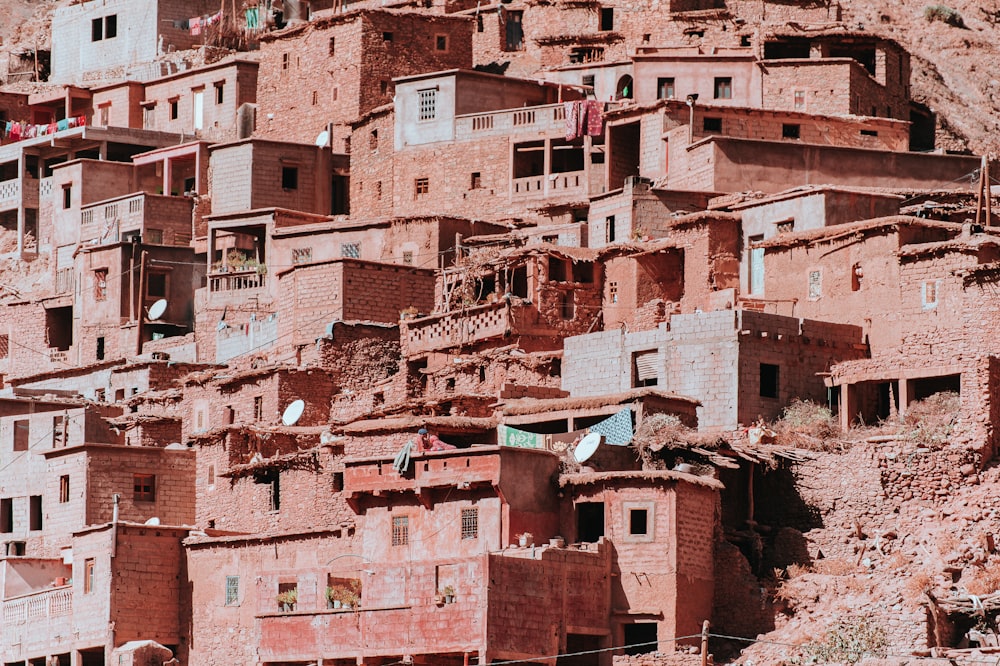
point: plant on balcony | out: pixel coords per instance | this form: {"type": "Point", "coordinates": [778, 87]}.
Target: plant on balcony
{"type": "Point", "coordinates": [344, 596]}
{"type": "Point", "coordinates": [237, 262]}
{"type": "Point", "coordinates": [287, 599]}
{"type": "Point", "coordinates": [449, 594]}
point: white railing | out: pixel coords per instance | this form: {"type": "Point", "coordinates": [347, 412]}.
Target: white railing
{"type": "Point", "coordinates": [553, 184]}
{"type": "Point", "coordinates": [549, 118]}
{"type": "Point", "coordinates": [236, 281]}
{"type": "Point", "coordinates": [47, 603]}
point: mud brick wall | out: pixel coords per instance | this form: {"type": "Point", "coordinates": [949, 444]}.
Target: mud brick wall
{"type": "Point", "coordinates": [372, 160]}
{"type": "Point", "coordinates": [336, 69]}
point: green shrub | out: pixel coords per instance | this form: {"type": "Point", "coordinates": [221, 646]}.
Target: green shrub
{"type": "Point", "coordinates": [945, 14]}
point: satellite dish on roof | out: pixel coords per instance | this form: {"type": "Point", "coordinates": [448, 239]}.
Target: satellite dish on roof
{"type": "Point", "coordinates": [587, 446]}
{"type": "Point", "coordinates": [157, 309]}
{"type": "Point", "coordinates": [322, 139]}
{"type": "Point", "coordinates": [293, 413]}
{"type": "Point", "coordinates": [152, 521]}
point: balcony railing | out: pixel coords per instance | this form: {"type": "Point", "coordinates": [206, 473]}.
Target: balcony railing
{"type": "Point", "coordinates": [16, 191]}
{"type": "Point", "coordinates": [56, 602]}
{"type": "Point", "coordinates": [105, 221]}
{"type": "Point", "coordinates": [548, 118]}
{"type": "Point", "coordinates": [236, 281]}
{"type": "Point", "coordinates": [571, 183]}
{"type": "Point", "coordinates": [461, 327]}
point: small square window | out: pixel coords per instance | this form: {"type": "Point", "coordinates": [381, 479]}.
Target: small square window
{"type": "Point", "coordinates": [785, 226]}
{"type": "Point", "coordinates": [441, 42]}
{"type": "Point", "coordinates": [470, 523]}
{"type": "Point", "coordinates": [232, 590]}
{"type": "Point", "coordinates": [866, 132]}
{"type": "Point", "coordinates": [665, 88]}
{"type": "Point", "coordinates": [427, 100]}
{"type": "Point", "coordinates": [290, 178]}
{"type": "Point", "coordinates": [302, 255]}
{"type": "Point", "coordinates": [768, 380]}
{"type": "Point", "coordinates": [350, 250]}
{"type": "Point", "coordinates": [588, 80]}
{"type": "Point", "coordinates": [144, 487]}
{"type": "Point", "coordinates": [790, 131]}
{"type": "Point", "coordinates": [386, 36]}
{"type": "Point", "coordinates": [723, 87]}
{"type": "Point", "coordinates": [156, 284]}
{"type": "Point", "coordinates": [400, 530]}
{"type": "Point", "coordinates": [422, 186]}
{"type": "Point", "coordinates": [712, 124]}
{"type": "Point", "coordinates": [408, 258]}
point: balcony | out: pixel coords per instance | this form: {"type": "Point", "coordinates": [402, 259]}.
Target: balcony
{"type": "Point", "coordinates": [158, 219]}
{"type": "Point", "coordinates": [550, 118]}
{"type": "Point", "coordinates": [572, 184]}
{"type": "Point", "coordinates": [37, 620]}
{"type": "Point", "coordinates": [463, 327]}
{"type": "Point", "coordinates": [479, 465]}
{"type": "Point", "coordinates": [17, 192]}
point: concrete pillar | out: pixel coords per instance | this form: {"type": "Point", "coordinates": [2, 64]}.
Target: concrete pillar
{"type": "Point", "coordinates": [904, 395]}
{"type": "Point", "coordinates": [848, 405]}
{"type": "Point", "coordinates": [167, 176]}
{"type": "Point", "coordinates": [547, 166]}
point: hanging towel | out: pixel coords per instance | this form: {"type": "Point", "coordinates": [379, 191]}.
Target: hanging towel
{"type": "Point", "coordinates": [616, 429]}
{"type": "Point", "coordinates": [581, 119]}
{"type": "Point", "coordinates": [572, 114]}
{"type": "Point", "coordinates": [253, 18]}
{"type": "Point", "coordinates": [72, 122]}
{"type": "Point", "coordinates": [521, 439]}
{"type": "Point", "coordinates": [62, 124]}
{"type": "Point", "coordinates": [195, 24]}
{"type": "Point", "coordinates": [15, 131]}
{"type": "Point", "coordinates": [595, 117]}
{"type": "Point", "coordinates": [52, 127]}
{"type": "Point", "coordinates": [81, 121]}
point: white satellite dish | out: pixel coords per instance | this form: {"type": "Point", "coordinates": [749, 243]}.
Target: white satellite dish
{"type": "Point", "coordinates": [157, 309]}
{"type": "Point", "coordinates": [152, 521]}
{"type": "Point", "coordinates": [587, 446]}
{"type": "Point", "coordinates": [322, 139]}
{"type": "Point", "coordinates": [293, 413]}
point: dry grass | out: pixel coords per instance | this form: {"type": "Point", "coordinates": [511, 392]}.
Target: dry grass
{"type": "Point", "coordinates": [664, 432]}
{"type": "Point", "coordinates": [835, 567]}
{"type": "Point", "coordinates": [919, 583]}
{"type": "Point", "coordinates": [807, 425]}
{"type": "Point", "coordinates": [984, 579]}
{"type": "Point", "coordinates": [929, 422]}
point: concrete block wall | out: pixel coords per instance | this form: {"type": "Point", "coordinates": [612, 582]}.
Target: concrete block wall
{"type": "Point", "coordinates": [111, 470]}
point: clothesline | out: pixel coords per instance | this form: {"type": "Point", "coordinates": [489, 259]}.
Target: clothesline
{"type": "Point", "coordinates": [584, 118]}
{"type": "Point", "coordinates": [196, 23]}
{"type": "Point", "coordinates": [18, 131]}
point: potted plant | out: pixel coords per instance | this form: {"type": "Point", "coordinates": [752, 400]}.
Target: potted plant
{"type": "Point", "coordinates": [449, 594]}
{"type": "Point", "coordinates": [332, 597]}
{"type": "Point", "coordinates": [287, 599]}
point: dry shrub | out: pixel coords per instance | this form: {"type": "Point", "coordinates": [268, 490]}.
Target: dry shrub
{"type": "Point", "coordinates": [929, 422]}
{"type": "Point", "coordinates": [946, 543]}
{"type": "Point", "coordinates": [807, 425]}
{"type": "Point", "coordinates": [834, 566]}
{"type": "Point", "coordinates": [795, 570]}
{"type": "Point", "coordinates": [897, 561]}
{"type": "Point", "coordinates": [850, 641]}
{"type": "Point", "coordinates": [983, 579]}
{"type": "Point", "coordinates": [945, 14]}
{"type": "Point", "coordinates": [665, 431]}
{"type": "Point", "coordinates": [919, 583]}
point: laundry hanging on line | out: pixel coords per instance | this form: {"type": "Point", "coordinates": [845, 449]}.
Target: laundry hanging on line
{"type": "Point", "coordinates": [584, 118]}
{"type": "Point", "coordinates": [18, 131]}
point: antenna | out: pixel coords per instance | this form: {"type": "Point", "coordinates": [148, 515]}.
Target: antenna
{"type": "Point", "coordinates": [157, 309]}
{"type": "Point", "coordinates": [322, 139]}
{"type": "Point", "coordinates": [293, 413]}
{"type": "Point", "coordinates": [587, 447]}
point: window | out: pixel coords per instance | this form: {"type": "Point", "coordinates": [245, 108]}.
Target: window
{"type": "Point", "coordinates": [745, 40]}
{"type": "Point", "coordinates": [378, 189]}
{"type": "Point", "coordinates": [373, 140]}
{"type": "Point", "coordinates": [285, 61]}
{"type": "Point", "coordinates": [768, 380]}
{"type": "Point", "coordinates": [386, 36]}
{"type": "Point", "coordinates": [422, 186]}
{"type": "Point", "coordinates": [799, 100]}
{"type": "Point", "coordinates": [609, 224]}
{"type": "Point", "coordinates": [64, 488]}
{"type": "Point", "coordinates": [400, 530]}
{"type": "Point", "coordinates": [815, 285]}
{"type": "Point", "coordinates": [723, 87]}
{"type": "Point", "coordinates": [637, 522]}
{"type": "Point", "coordinates": [568, 305]}
{"type": "Point", "coordinates": [99, 393]}
{"type": "Point", "coordinates": [103, 114]}
{"type": "Point", "coordinates": [514, 30]}
{"type": "Point", "coordinates": [613, 292]}
{"type": "Point", "coordinates": [440, 42]}
{"type": "Point", "coordinates": [588, 80]}
{"type": "Point", "coordinates": [869, 133]}
{"type": "Point", "coordinates": [315, 97]}
{"type": "Point", "coordinates": [99, 353]}
{"type": "Point", "coordinates": [220, 92]}
{"type": "Point", "coordinates": [144, 487]}
{"type": "Point", "coordinates": [350, 250]}
{"type": "Point", "coordinates": [333, 46]}
{"type": "Point", "coordinates": [640, 637]}
{"type": "Point", "coordinates": [756, 265]}
{"type": "Point", "coordinates": [790, 131]}
{"type": "Point", "coordinates": [337, 481]}
{"type": "Point", "coordinates": [929, 294]}
{"type": "Point", "coordinates": [67, 196]}
{"type": "Point", "coordinates": [427, 102]}
{"type": "Point", "coordinates": [7, 515]}
{"type": "Point", "coordinates": [111, 26]}
{"type": "Point", "coordinates": [154, 236]}
{"type": "Point", "coordinates": [88, 575]}
{"type": "Point", "coordinates": [156, 285]}
{"type": "Point", "coordinates": [22, 435]}
{"type": "Point", "coordinates": [301, 255]}
{"type": "Point", "coordinates": [290, 178]}
{"type": "Point", "coordinates": [174, 109]}
{"type": "Point", "coordinates": [665, 88]}
{"type": "Point", "coordinates": [644, 367]}
{"type": "Point", "coordinates": [408, 258]}
{"type": "Point", "coordinates": [35, 512]}
{"type": "Point", "coordinates": [4, 346]}
{"type": "Point", "coordinates": [96, 30]}
{"type": "Point", "coordinates": [211, 475]}
{"type": "Point", "coordinates": [477, 180]}
{"type": "Point", "coordinates": [607, 18]}
{"type": "Point", "coordinates": [100, 284]}
{"type": "Point", "coordinates": [712, 124]}
{"type": "Point", "coordinates": [149, 116]}
{"type": "Point", "coordinates": [470, 523]}
{"type": "Point", "coordinates": [785, 226]}
{"type": "Point", "coordinates": [856, 274]}
{"type": "Point", "coordinates": [232, 590]}
{"type": "Point", "coordinates": [258, 408]}
{"type": "Point", "coordinates": [383, 87]}
{"type": "Point", "coordinates": [589, 521]}
{"type": "Point", "coordinates": [584, 54]}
